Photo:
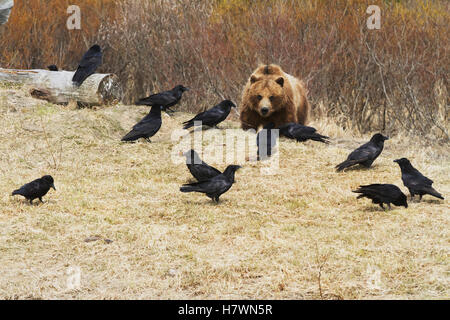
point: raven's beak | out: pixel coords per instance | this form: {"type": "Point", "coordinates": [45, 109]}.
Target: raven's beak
{"type": "Point", "coordinates": [53, 186]}
{"type": "Point", "coordinates": [186, 89]}
{"type": "Point", "coordinates": [396, 160]}
{"type": "Point", "coordinates": [386, 138]}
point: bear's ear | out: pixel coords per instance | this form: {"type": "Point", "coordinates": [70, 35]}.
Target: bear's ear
{"type": "Point", "coordinates": [280, 81]}
{"type": "Point", "coordinates": [253, 79]}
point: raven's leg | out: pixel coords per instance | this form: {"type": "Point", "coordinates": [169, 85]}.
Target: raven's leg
{"type": "Point", "coordinates": [381, 205]}
{"type": "Point", "coordinates": [420, 197]}
{"type": "Point", "coordinates": [389, 206]}
{"type": "Point", "coordinates": [216, 199]}
{"type": "Point", "coordinates": [167, 112]}
{"type": "Point", "coordinates": [40, 199]}
{"type": "Point", "coordinates": [31, 201]}
{"type": "Point", "coordinates": [148, 140]}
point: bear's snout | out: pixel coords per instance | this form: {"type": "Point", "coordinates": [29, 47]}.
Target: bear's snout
{"type": "Point", "coordinates": [264, 111]}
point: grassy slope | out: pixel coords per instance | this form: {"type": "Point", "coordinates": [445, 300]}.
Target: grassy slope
{"type": "Point", "coordinates": [268, 238]}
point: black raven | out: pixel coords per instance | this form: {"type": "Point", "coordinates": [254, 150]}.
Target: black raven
{"type": "Point", "coordinates": [301, 133]}
{"type": "Point", "coordinates": [36, 188]}
{"type": "Point", "coordinates": [88, 64]}
{"type": "Point", "coordinates": [213, 116]}
{"type": "Point", "coordinates": [365, 154]}
{"type": "Point", "coordinates": [199, 169]}
{"type": "Point", "coordinates": [416, 182]}
{"type": "Point", "coordinates": [52, 67]}
{"type": "Point", "coordinates": [265, 141]}
{"type": "Point", "coordinates": [383, 193]}
{"type": "Point", "coordinates": [165, 99]}
{"type": "Point", "coordinates": [214, 187]}
{"type": "Point", "coordinates": [147, 127]}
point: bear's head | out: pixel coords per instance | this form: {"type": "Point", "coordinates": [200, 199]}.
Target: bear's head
{"type": "Point", "coordinates": [266, 94]}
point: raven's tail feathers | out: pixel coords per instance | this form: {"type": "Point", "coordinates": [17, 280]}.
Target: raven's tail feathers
{"type": "Point", "coordinates": [320, 138]}
{"type": "Point", "coordinates": [191, 187]}
{"type": "Point", "coordinates": [188, 124]}
{"type": "Point", "coordinates": [130, 136]}
{"type": "Point", "coordinates": [345, 164]}
{"type": "Point", "coordinates": [434, 193]}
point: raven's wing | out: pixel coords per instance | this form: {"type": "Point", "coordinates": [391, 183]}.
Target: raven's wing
{"type": "Point", "coordinates": [196, 118]}
{"type": "Point", "coordinates": [147, 127]}
{"type": "Point", "coordinates": [205, 171]}
{"type": "Point", "coordinates": [29, 189]}
{"type": "Point", "coordinates": [421, 178]}
{"type": "Point", "coordinates": [377, 191]}
{"type": "Point", "coordinates": [287, 130]}
{"type": "Point", "coordinates": [299, 130]}
{"type": "Point", "coordinates": [216, 185]}
{"type": "Point", "coordinates": [212, 116]}
{"type": "Point", "coordinates": [365, 152]}
{"type": "Point", "coordinates": [159, 99]}
{"type": "Point", "coordinates": [87, 66]}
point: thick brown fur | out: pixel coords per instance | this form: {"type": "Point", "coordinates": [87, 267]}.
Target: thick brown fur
{"type": "Point", "coordinates": [284, 95]}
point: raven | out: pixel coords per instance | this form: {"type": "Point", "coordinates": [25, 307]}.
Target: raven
{"type": "Point", "coordinates": [383, 193]}
{"type": "Point", "coordinates": [147, 127]}
{"type": "Point", "coordinates": [416, 182]}
{"type": "Point", "coordinates": [365, 154]}
{"type": "Point", "coordinates": [199, 169]}
{"type": "Point", "coordinates": [301, 133]}
{"type": "Point", "coordinates": [265, 142]}
{"type": "Point", "coordinates": [52, 67]}
{"type": "Point", "coordinates": [36, 188]}
{"type": "Point", "coordinates": [214, 187]}
{"type": "Point", "coordinates": [88, 64]}
{"type": "Point", "coordinates": [213, 116]}
{"type": "Point", "coordinates": [165, 99]}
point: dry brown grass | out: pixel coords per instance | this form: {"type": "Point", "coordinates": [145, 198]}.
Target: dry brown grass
{"type": "Point", "coordinates": [267, 239]}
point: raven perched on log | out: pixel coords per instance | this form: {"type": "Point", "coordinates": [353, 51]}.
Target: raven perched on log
{"type": "Point", "coordinates": [88, 64]}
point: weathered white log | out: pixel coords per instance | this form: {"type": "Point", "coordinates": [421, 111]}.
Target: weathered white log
{"type": "Point", "coordinates": [5, 10]}
{"type": "Point", "coordinates": [57, 86]}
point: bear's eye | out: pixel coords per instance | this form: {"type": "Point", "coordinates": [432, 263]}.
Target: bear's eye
{"type": "Point", "coordinates": [259, 97]}
{"type": "Point", "coordinates": [271, 98]}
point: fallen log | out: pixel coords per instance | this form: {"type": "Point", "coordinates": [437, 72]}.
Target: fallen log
{"type": "Point", "coordinates": [57, 86]}
{"type": "Point", "coordinates": [5, 10]}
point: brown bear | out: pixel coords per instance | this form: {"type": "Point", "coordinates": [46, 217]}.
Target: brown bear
{"type": "Point", "coordinates": [271, 95]}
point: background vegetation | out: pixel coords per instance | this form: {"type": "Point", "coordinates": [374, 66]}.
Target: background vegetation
{"type": "Point", "coordinates": [392, 79]}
